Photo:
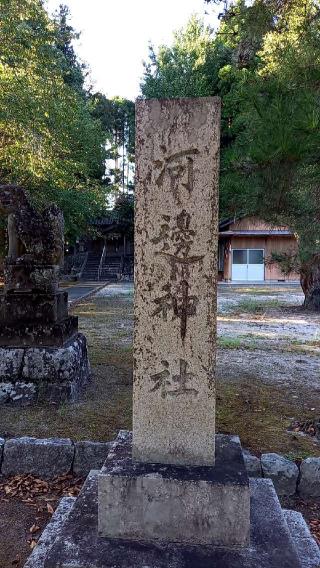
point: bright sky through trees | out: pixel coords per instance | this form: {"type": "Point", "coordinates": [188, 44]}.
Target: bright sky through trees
{"type": "Point", "coordinates": [115, 36]}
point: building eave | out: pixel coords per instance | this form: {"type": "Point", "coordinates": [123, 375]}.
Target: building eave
{"type": "Point", "coordinates": [272, 233]}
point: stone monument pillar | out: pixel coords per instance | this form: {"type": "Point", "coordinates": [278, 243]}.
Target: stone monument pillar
{"type": "Point", "coordinates": [43, 358]}
{"type": "Point", "coordinates": [175, 280]}
{"type": "Point", "coordinates": [176, 245]}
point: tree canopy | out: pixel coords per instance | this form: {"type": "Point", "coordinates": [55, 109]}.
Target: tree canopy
{"type": "Point", "coordinates": [264, 61]}
{"type": "Point", "coordinates": [50, 141]}
{"type": "Point", "coordinates": [117, 116]}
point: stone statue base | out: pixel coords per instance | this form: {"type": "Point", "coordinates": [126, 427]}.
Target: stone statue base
{"type": "Point", "coordinates": [51, 374]}
{"type": "Point", "coordinates": [277, 537]}
{"type": "Point", "coordinates": [186, 504]}
{"type": "Point", "coordinates": [48, 334]}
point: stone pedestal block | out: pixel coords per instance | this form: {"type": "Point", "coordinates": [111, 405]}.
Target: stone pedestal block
{"type": "Point", "coordinates": [25, 307]}
{"type": "Point", "coordinates": [44, 374]}
{"type": "Point", "coordinates": [43, 334]}
{"type": "Point", "coordinates": [184, 504]}
{"type": "Point", "coordinates": [275, 540]}
{"type": "Point", "coordinates": [22, 276]}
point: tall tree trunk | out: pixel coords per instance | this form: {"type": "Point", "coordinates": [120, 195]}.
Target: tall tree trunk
{"type": "Point", "coordinates": [310, 282]}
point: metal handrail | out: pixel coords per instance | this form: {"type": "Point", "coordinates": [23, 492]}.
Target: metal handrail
{"type": "Point", "coordinates": [102, 260]}
{"type": "Point", "coordinates": [83, 264]}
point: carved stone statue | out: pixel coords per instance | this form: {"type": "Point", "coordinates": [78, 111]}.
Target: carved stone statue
{"type": "Point", "coordinates": [34, 319]}
{"type": "Point", "coordinates": [33, 237]}
{"type": "Point", "coordinates": [36, 242]}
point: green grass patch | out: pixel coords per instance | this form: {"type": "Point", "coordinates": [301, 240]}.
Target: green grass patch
{"type": "Point", "coordinates": [242, 341]}
{"type": "Point", "coordinates": [253, 306]}
{"type": "Point", "coordinates": [261, 415]}
{"type": "Point", "coordinates": [225, 342]}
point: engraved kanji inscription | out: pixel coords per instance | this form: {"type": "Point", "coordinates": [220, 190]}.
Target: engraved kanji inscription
{"type": "Point", "coordinates": [175, 242]}
{"type": "Point", "coordinates": [173, 385]}
{"type": "Point", "coordinates": [161, 380]}
{"type": "Point", "coordinates": [176, 299]}
{"type": "Point", "coordinates": [182, 379]}
{"type": "Point", "coordinates": [180, 169]}
{"type": "Point", "coordinates": [165, 303]}
{"type": "Point", "coordinates": [186, 306]}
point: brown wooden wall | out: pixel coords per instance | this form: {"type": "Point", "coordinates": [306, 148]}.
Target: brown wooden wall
{"type": "Point", "coordinates": [270, 245]}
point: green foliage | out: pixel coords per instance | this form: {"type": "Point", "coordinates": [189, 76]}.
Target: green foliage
{"type": "Point", "coordinates": [264, 61]}
{"type": "Point", "coordinates": [275, 155]}
{"type": "Point", "coordinates": [288, 262]}
{"type": "Point", "coordinates": [50, 142]}
{"type": "Point", "coordinates": [124, 212]}
{"type": "Point", "coordinates": [117, 116]}
{"type": "Point", "coordinates": [188, 68]}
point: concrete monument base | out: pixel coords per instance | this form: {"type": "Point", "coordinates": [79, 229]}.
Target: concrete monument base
{"type": "Point", "coordinates": [277, 538]}
{"type": "Point", "coordinates": [185, 504]}
{"type": "Point", "coordinates": [44, 374]}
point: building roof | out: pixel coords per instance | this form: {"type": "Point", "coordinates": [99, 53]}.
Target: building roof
{"type": "Point", "coordinates": [265, 233]}
{"type": "Point", "coordinates": [227, 222]}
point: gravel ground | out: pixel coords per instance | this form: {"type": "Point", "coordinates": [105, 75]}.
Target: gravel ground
{"type": "Point", "coordinates": [262, 333]}
{"type": "Point", "coordinates": [274, 338]}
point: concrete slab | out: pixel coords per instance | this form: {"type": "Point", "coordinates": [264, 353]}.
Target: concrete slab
{"type": "Point", "coordinates": [183, 504]}
{"type": "Point", "coordinates": [50, 533]}
{"type": "Point", "coordinates": [83, 289]}
{"type": "Point", "coordinates": [307, 548]}
{"type": "Point", "coordinates": [78, 545]}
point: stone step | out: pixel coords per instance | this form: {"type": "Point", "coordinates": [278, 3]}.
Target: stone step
{"type": "Point", "coordinates": [279, 539]}
{"type": "Point", "coordinates": [50, 533]}
{"type": "Point", "coordinates": [307, 548]}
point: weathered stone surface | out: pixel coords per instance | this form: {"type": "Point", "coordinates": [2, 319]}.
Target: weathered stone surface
{"type": "Point", "coordinates": [271, 545]}
{"type": "Point", "coordinates": [186, 504]}
{"type": "Point", "coordinates": [33, 307]}
{"type": "Point", "coordinates": [89, 455]}
{"type": "Point", "coordinates": [18, 393]}
{"type": "Point", "coordinates": [61, 364]}
{"type": "Point", "coordinates": [308, 550]}
{"type": "Point", "coordinates": [33, 313]}
{"type": "Point", "coordinates": [34, 238]}
{"type": "Point", "coordinates": [10, 364]}
{"type": "Point", "coordinates": [23, 276]}
{"type": "Point", "coordinates": [283, 472]}
{"type": "Point", "coordinates": [175, 246]}
{"type": "Point", "coordinates": [46, 458]}
{"type": "Point", "coordinates": [309, 485]}
{"type": "Point", "coordinates": [44, 374]}
{"type": "Point", "coordinates": [32, 310]}
{"type": "Point", "coordinates": [253, 464]}
{"type": "Point", "coordinates": [1, 450]}
{"type": "Point", "coordinates": [50, 334]}
{"type": "Point", "coordinates": [52, 531]}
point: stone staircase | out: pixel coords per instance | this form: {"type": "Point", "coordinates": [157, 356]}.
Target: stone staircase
{"type": "Point", "coordinates": [91, 268]}
{"type": "Point", "coordinates": [111, 268]}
